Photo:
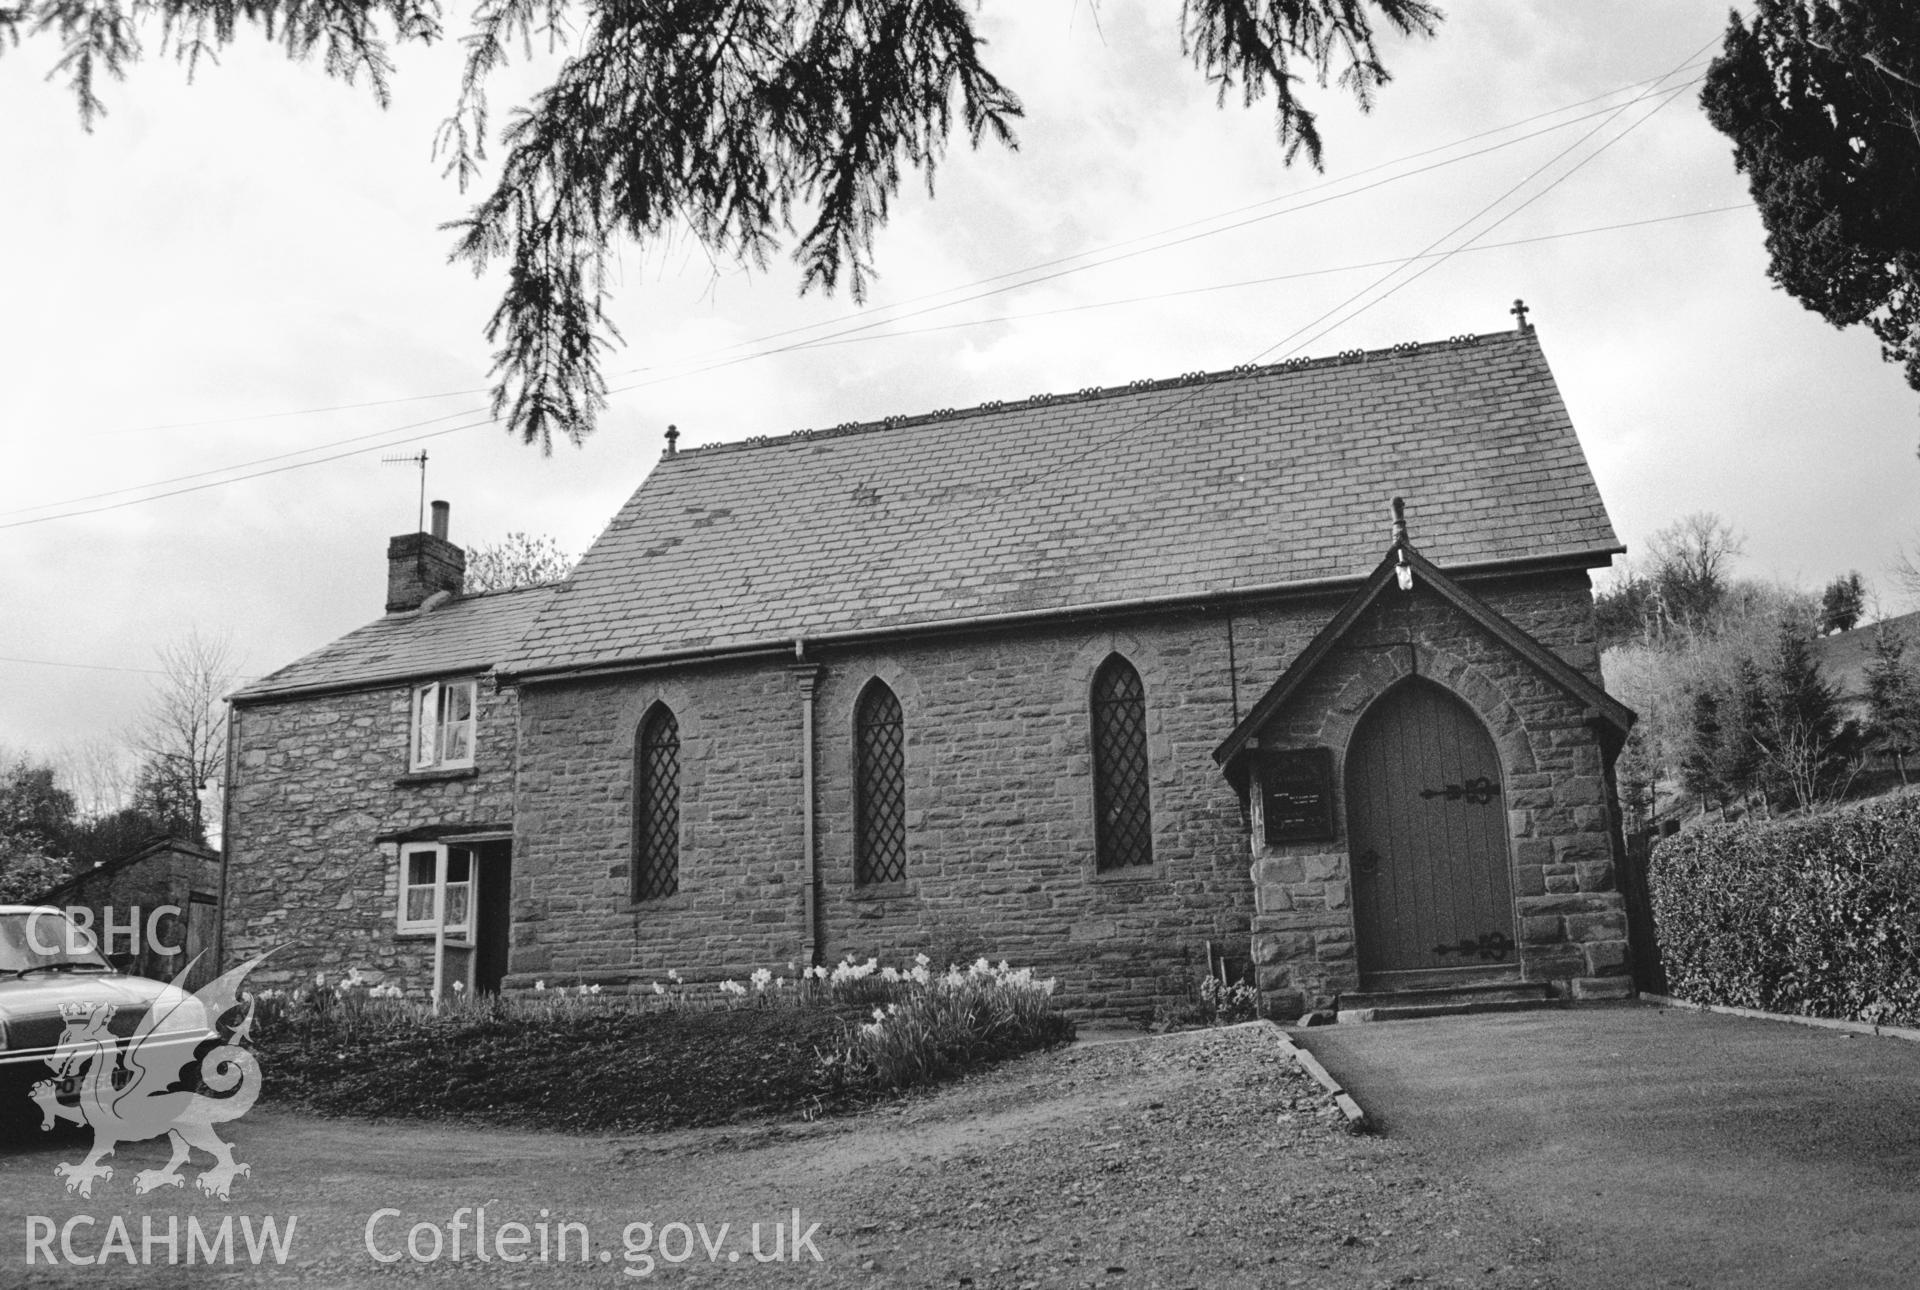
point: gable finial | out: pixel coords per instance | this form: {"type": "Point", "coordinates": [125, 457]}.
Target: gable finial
{"type": "Point", "coordinates": [673, 440]}
{"type": "Point", "coordinates": [1520, 311]}
{"type": "Point", "coordinates": [1402, 572]}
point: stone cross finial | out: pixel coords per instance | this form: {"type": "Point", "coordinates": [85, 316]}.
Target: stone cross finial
{"type": "Point", "coordinates": [673, 439]}
{"type": "Point", "coordinates": [1519, 311]}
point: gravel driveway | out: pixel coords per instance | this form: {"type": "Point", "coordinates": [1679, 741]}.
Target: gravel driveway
{"type": "Point", "coordinates": [1200, 1159]}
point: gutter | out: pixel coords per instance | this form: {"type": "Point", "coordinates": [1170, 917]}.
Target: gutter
{"type": "Point", "coordinates": [379, 681]}
{"type": "Point", "coordinates": [1094, 611]}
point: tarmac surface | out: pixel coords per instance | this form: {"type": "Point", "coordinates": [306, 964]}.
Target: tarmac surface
{"type": "Point", "coordinates": [1653, 1146]}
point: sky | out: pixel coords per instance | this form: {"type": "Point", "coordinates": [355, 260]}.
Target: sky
{"type": "Point", "coordinates": [248, 274]}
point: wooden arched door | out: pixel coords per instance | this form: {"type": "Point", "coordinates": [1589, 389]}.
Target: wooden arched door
{"type": "Point", "coordinates": [1427, 832]}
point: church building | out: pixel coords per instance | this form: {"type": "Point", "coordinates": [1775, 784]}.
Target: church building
{"type": "Point", "coordinates": [1286, 669]}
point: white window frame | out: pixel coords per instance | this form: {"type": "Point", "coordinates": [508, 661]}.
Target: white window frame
{"type": "Point", "coordinates": [431, 734]}
{"type": "Point", "coordinates": [455, 932]}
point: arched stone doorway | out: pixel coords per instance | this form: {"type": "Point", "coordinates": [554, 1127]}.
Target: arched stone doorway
{"type": "Point", "coordinates": [1427, 829]}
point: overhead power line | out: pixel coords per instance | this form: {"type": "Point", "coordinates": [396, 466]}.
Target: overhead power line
{"type": "Point", "coordinates": [1471, 219]}
{"type": "Point", "coordinates": [1238, 210]}
{"type": "Point", "coordinates": [1041, 278]}
{"type": "Point", "coordinates": [387, 441]}
{"type": "Point", "coordinates": [830, 341]}
{"type": "Point", "coordinates": [864, 331]}
{"type": "Point", "coordinates": [869, 312]}
{"type": "Point", "coordinates": [100, 667]}
{"type": "Point", "coordinates": [238, 465]}
{"type": "Point", "coordinates": [1159, 416]}
{"type": "Point", "coordinates": [217, 483]}
{"type": "Point", "coordinates": [1239, 283]}
{"type": "Point", "coordinates": [242, 418]}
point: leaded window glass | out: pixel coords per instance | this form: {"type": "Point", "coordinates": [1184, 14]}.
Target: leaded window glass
{"type": "Point", "coordinates": [656, 793]}
{"type": "Point", "coordinates": [879, 788]}
{"type": "Point", "coordinates": [1123, 814]}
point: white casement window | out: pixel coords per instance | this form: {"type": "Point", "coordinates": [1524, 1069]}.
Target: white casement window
{"type": "Point", "coordinates": [443, 725]}
{"type": "Point", "coordinates": [424, 866]}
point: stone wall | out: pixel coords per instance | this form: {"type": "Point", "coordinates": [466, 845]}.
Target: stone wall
{"type": "Point", "coordinates": [318, 781]}
{"type": "Point", "coordinates": [1570, 918]}
{"type": "Point", "coordinates": [1000, 810]}
{"type": "Point", "coordinates": [999, 800]}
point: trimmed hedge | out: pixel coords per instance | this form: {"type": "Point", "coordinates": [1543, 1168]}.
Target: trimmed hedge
{"type": "Point", "coordinates": [1817, 916]}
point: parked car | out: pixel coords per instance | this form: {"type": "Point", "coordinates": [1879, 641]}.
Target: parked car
{"type": "Point", "coordinates": [53, 979]}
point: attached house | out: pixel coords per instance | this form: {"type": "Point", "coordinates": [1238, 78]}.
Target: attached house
{"type": "Point", "coordinates": [376, 774]}
{"type": "Point", "coordinates": [1120, 684]}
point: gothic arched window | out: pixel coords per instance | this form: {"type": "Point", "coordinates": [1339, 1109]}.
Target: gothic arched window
{"type": "Point", "coordinates": [656, 806]}
{"type": "Point", "coordinates": [879, 787]}
{"type": "Point", "coordinates": [1123, 814]}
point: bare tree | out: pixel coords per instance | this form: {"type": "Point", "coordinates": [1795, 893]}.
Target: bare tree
{"type": "Point", "coordinates": [1905, 570]}
{"type": "Point", "coordinates": [182, 735]}
{"type": "Point", "coordinates": [1690, 560]}
{"type": "Point", "coordinates": [518, 560]}
{"type": "Point", "coordinates": [1803, 760]}
{"type": "Point", "coordinates": [99, 772]}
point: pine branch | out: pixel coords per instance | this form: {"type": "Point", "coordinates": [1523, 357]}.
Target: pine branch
{"type": "Point", "coordinates": [721, 119]}
{"type": "Point", "coordinates": [729, 120]}
{"type": "Point", "coordinates": [1254, 44]}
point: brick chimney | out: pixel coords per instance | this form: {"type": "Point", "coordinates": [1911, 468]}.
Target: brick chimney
{"type": "Point", "coordinates": [421, 564]}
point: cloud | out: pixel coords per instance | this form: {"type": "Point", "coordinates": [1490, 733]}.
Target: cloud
{"type": "Point", "coordinates": [266, 241]}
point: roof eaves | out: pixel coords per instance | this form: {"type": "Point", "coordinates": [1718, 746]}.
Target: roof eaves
{"type": "Point", "coordinates": [155, 844]}
{"type": "Point", "coordinates": [512, 674]}
{"type": "Point", "coordinates": [254, 695]}
{"type": "Point", "coordinates": [265, 689]}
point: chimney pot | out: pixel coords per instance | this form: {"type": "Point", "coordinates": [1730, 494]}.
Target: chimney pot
{"type": "Point", "coordinates": [421, 565]}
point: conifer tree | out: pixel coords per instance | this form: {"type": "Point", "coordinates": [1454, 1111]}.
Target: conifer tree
{"type": "Point", "coordinates": [1804, 749]}
{"type": "Point", "coordinates": [1842, 603]}
{"type": "Point", "coordinates": [728, 119]}
{"type": "Point", "coordinates": [1893, 698]}
{"type": "Point", "coordinates": [1745, 713]}
{"type": "Point", "coordinates": [1700, 757]}
{"type": "Point", "coordinates": [1822, 101]}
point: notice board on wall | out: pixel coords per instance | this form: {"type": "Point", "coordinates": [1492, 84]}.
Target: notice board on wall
{"type": "Point", "coordinates": [1296, 786]}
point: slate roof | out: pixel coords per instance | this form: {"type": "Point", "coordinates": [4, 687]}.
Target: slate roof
{"type": "Point", "coordinates": [465, 634]}
{"type": "Point", "coordinates": [1255, 479]}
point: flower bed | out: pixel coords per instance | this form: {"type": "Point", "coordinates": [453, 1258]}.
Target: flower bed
{"type": "Point", "coordinates": [675, 1056]}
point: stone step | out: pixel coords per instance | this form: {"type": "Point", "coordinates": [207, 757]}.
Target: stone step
{"type": "Point", "coordinates": [1407, 1005]}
